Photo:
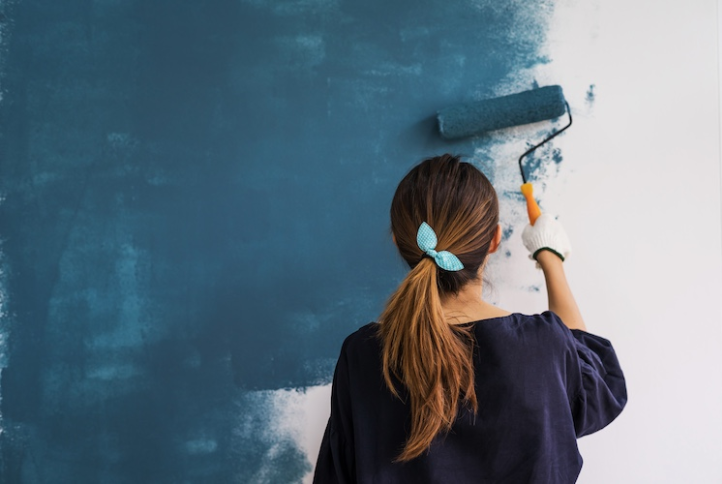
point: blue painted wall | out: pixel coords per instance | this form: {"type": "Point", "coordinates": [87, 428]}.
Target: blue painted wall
{"type": "Point", "coordinates": [195, 199]}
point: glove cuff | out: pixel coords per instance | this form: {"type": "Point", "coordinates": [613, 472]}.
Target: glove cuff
{"type": "Point", "coordinates": [550, 250]}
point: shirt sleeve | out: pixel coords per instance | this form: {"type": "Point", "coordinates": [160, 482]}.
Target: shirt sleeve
{"type": "Point", "coordinates": [335, 464]}
{"type": "Point", "coordinates": [600, 389]}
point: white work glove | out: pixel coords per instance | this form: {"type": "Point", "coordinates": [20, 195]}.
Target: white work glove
{"type": "Point", "coordinates": [546, 234]}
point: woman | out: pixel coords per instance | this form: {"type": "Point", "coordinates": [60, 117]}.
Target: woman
{"type": "Point", "coordinates": [447, 388]}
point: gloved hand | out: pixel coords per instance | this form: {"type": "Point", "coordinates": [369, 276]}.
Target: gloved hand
{"type": "Point", "coordinates": [546, 234]}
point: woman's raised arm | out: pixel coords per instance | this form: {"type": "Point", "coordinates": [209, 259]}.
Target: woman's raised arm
{"type": "Point", "coordinates": [548, 243]}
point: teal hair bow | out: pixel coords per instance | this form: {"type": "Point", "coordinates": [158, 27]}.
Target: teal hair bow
{"type": "Point", "coordinates": [426, 240]}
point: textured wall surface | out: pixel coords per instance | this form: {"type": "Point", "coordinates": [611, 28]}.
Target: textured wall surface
{"type": "Point", "coordinates": [195, 199]}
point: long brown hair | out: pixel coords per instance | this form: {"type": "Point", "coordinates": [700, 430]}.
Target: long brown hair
{"type": "Point", "coordinates": [432, 358]}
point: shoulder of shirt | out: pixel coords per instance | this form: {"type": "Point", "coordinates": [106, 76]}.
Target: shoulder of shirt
{"type": "Point", "coordinates": [361, 336]}
{"type": "Point", "coordinates": [362, 333]}
{"type": "Point", "coordinates": [549, 326]}
{"type": "Point", "coordinates": [555, 322]}
{"type": "Point", "coordinates": [552, 319]}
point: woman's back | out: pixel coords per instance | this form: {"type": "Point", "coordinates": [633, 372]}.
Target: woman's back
{"type": "Point", "coordinates": [421, 398]}
{"type": "Point", "coordinates": [534, 379]}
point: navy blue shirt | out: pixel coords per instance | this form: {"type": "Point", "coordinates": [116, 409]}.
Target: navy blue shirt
{"type": "Point", "coordinates": [539, 386]}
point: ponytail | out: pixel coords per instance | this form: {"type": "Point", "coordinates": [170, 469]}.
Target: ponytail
{"type": "Point", "coordinates": [425, 355]}
{"type": "Point", "coordinates": [429, 356]}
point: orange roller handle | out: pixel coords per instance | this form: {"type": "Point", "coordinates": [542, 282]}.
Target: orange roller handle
{"type": "Point", "coordinates": [532, 207]}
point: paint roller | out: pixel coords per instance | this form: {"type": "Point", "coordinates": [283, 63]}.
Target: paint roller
{"type": "Point", "coordinates": [526, 107]}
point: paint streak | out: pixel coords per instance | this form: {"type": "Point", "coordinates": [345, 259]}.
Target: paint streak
{"type": "Point", "coordinates": [537, 164]}
{"type": "Point", "coordinates": [591, 95]}
{"type": "Point", "coordinates": [197, 194]}
{"type": "Point", "coordinates": [506, 233]}
{"type": "Point", "coordinates": [557, 156]}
